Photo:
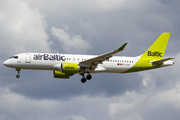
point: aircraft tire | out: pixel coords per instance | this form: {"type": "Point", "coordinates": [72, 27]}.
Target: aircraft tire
{"type": "Point", "coordinates": [83, 80]}
{"type": "Point", "coordinates": [88, 77]}
{"type": "Point", "coordinates": [17, 76]}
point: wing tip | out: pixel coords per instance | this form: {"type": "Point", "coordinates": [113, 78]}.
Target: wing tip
{"type": "Point", "coordinates": [122, 47]}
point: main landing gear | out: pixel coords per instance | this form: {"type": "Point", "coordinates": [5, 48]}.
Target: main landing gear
{"type": "Point", "coordinates": [88, 77]}
{"type": "Point", "coordinates": [18, 75]}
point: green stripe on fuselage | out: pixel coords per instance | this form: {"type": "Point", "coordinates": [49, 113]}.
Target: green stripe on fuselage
{"type": "Point", "coordinates": [142, 64]}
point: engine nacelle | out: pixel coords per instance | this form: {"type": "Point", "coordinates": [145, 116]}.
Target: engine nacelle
{"type": "Point", "coordinates": [69, 68]}
{"type": "Point", "coordinates": [58, 74]}
{"type": "Point", "coordinates": [66, 67]}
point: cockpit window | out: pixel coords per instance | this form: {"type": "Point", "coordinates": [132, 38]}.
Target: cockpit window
{"type": "Point", "coordinates": [15, 57]}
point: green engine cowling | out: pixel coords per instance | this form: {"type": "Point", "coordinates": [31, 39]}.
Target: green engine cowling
{"type": "Point", "coordinates": [65, 70]}
{"type": "Point", "coordinates": [59, 74]}
{"type": "Point", "coordinates": [69, 68]}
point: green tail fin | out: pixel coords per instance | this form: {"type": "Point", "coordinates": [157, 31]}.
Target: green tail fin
{"type": "Point", "coordinates": [157, 49]}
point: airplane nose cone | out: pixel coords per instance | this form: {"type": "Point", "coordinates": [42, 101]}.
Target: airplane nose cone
{"type": "Point", "coordinates": [7, 63]}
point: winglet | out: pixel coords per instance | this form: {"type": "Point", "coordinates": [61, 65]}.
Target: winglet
{"type": "Point", "coordinates": [122, 47]}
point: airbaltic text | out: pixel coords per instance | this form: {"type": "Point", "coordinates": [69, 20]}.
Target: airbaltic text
{"type": "Point", "coordinates": [49, 57]}
{"type": "Point", "coordinates": [155, 53]}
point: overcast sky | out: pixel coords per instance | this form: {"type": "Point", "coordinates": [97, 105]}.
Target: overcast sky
{"type": "Point", "coordinates": [89, 27]}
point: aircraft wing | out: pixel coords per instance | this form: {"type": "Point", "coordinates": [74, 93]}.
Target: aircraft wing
{"type": "Point", "coordinates": [161, 61]}
{"type": "Point", "coordinates": [93, 62]}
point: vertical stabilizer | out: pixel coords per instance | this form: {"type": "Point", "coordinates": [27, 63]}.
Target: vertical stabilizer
{"type": "Point", "coordinates": [157, 50]}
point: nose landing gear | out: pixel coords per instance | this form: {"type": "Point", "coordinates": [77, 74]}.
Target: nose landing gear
{"type": "Point", "coordinates": [18, 75]}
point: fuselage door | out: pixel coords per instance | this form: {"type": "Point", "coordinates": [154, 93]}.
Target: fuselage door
{"type": "Point", "coordinates": [28, 58]}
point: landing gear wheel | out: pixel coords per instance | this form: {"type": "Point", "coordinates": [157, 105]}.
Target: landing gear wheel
{"type": "Point", "coordinates": [83, 80]}
{"type": "Point", "coordinates": [88, 77]}
{"type": "Point", "coordinates": [17, 76]}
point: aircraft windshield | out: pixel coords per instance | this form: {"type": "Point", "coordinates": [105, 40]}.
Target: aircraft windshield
{"type": "Point", "coordinates": [15, 57]}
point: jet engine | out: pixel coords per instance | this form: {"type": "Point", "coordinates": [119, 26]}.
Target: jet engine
{"type": "Point", "coordinates": [65, 69]}
{"type": "Point", "coordinates": [69, 67]}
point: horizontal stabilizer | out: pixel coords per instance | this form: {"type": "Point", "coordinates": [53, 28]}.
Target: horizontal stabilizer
{"type": "Point", "coordinates": [161, 61]}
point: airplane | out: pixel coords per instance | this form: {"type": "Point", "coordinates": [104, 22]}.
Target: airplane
{"type": "Point", "coordinates": [66, 65]}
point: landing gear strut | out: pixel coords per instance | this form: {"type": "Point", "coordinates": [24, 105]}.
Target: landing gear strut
{"type": "Point", "coordinates": [18, 75]}
{"type": "Point", "coordinates": [88, 77]}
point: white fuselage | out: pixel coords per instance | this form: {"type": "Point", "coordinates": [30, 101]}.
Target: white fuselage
{"type": "Point", "coordinates": [46, 61]}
